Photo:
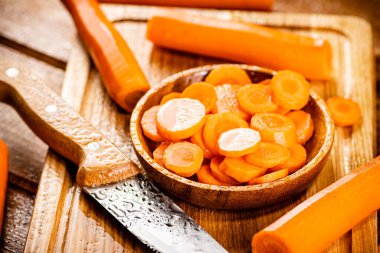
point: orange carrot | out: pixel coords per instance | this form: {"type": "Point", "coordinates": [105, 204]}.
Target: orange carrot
{"type": "Point", "coordinates": [216, 125]}
{"type": "Point", "coordinates": [240, 170]}
{"type": "Point", "coordinates": [218, 174]}
{"type": "Point", "coordinates": [291, 90]}
{"type": "Point", "coordinates": [296, 161]}
{"type": "Point", "coordinates": [180, 118]}
{"type": "Point", "coordinates": [269, 177]}
{"type": "Point", "coordinates": [242, 42]}
{"type": "Point", "coordinates": [158, 153]}
{"type": "Point", "coordinates": [282, 111]}
{"type": "Point", "coordinates": [218, 4]}
{"type": "Point", "coordinates": [238, 142]}
{"type": "Point", "coordinates": [266, 82]}
{"type": "Point", "coordinates": [197, 138]}
{"type": "Point", "coordinates": [121, 73]}
{"type": "Point", "coordinates": [344, 112]}
{"type": "Point", "coordinates": [170, 96]}
{"type": "Point", "coordinates": [183, 158]}
{"type": "Point", "coordinates": [3, 178]}
{"type": "Point", "coordinates": [228, 102]}
{"type": "Point", "coordinates": [323, 218]}
{"type": "Point", "coordinates": [204, 176]}
{"type": "Point", "coordinates": [228, 74]}
{"type": "Point", "coordinates": [268, 155]}
{"type": "Point", "coordinates": [304, 125]}
{"type": "Point", "coordinates": [254, 98]}
{"type": "Point", "coordinates": [275, 128]}
{"type": "Point", "coordinates": [149, 124]}
{"type": "Point", "coordinates": [202, 91]}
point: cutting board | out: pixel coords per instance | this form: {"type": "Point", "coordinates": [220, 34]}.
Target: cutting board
{"type": "Point", "coordinates": [66, 220]}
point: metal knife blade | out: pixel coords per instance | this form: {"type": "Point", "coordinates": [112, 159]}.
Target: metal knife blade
{"type": "Point", "coordinates": [153, 217]}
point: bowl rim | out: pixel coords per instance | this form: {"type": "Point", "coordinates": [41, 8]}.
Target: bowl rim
{"type": "Point", "coordinates": [322, 153]}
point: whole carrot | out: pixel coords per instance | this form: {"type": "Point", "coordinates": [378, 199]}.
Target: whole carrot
{"type": "Point", "coordinates": [3, 178]}
{"type": "Point", "coordinates": [242, 42]}
{"type": "Point", "coordinates": [121, 73]}
{"type": "Point", "coordinates": [326, 216]}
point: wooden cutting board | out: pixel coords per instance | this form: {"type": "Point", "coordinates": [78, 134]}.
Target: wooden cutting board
{"type": "Point", "coordinates": [66, 220]}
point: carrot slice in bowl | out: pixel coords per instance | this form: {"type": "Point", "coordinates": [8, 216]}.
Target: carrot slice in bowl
{"type": "Point", "coordinates": [268, 155]}
{"type": "Point", "coordinates": [226, 74]}
{"type": "Point", "coordinates": [197, 138]}
{"type": "Point", "coordinates": [183, 158]}
{"type": "Point", "coordinates": [344, 112]}
{"type": "Point", "coordinates": [304, 125]}
{"type": "Point", "coordinates": [202, 91]}
{"type": "Point", "coordinates": [149, 124]}
{"type": "Point", "coordinates": [170, 96]}
{"type": "Point", "coordinates": [238, 142]}
{"type": "Point", "coordinates": [296, 161]}
{"type": "Point", "coordinates": [204, 176]}
{"type": "Point", "coordinates": [254, 98]}
{"type": "Point", "coordinates": [180, 118]}
{"type": "Point", "coordinates": [240, 170]}
{"type": "Point", "coordinates": [158, 153]}
{"type": "Point", "coordinates": [275, 128]}
{"type": "Point", "coordinates": [290, 89]}
{"type": "Point", "coordinates": [218, 174]}
{"type": "Point", "coordinates": [269, 177]}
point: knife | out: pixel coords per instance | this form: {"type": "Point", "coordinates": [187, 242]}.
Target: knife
{"type": "Point", "coordinates": [105, 173]}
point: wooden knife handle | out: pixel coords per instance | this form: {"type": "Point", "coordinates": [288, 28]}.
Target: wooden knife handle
{"type": "Point", "coordinates": [63, 129]}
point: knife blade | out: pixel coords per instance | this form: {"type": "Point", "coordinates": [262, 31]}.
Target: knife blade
{"type": "Point", "coordinates": [104, 171]}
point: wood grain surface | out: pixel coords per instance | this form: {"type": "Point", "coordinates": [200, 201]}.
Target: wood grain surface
{"type": "Point", "coordinates": [41, 34]}
{"type": "Point", "coordinates": [80, 225]}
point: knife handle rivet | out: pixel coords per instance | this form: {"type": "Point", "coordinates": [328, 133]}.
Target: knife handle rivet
{"type": "Point", "coordinates": [51, 108]}
{"type": "Point", "coordinates": [93, 146]}
{"type": "Point", "coordinates": [12, 72]}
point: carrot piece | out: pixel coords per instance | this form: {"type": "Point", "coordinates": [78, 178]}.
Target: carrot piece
{"type": "Point", "coordinates": [240, 170]}
{"type": "Point", "coordinates": [197, 138]}
{"type": "Point", "coordinates": [290, 89]}
{"type": "Point", "coordinates": [304, 125]}
{"type": "Point", "coordinates": [282, 111]}
{"type": "Point", "coordinates": [296, 161]}
{"type": "Point", "coordinates": [120, 71]}
{"type": "Point", "coordinates": [170, 96]}
{"type": "Point", "coordinates": [217, 4]}
{"type": "Point", "coordinates": [228, 102]}
{"type": "Point", "coordinates": [254, 98]}
{"type": "Point", "coordinates": [344, 112]}
{"type": "Point", "coordinates": [270, 177]}
{"type": "Point", "coordinates": [275, 128]}
{"type": "Point", "coordinates": [205, 177]}
{"type": "Point", "coordinates": [266, 82]}
{"type": "Point", "coordinates": [183, 158]}
{"type": "Point", "coordinates": [238, 142]}
{"type": "Point", "coordinates": [326, 216]}
{"type": "Point", "coordinates": [242, 42]}
{"type": "Point", "coordinates": [268, 155]}
{"type": "Point", "coordinates": [216, 125]}
{"type": "Point", "coordinates": [3, 178]}
{"type": "Point", "coordinates": [202, 91]}
{"type": "Point", "coordinates": [218, 174]}
{"type": "Point", "coordinates": [180, 118]}
{"type": "Point", "coordinates": [149, 124]}
{"type": "Point", "coordinates": [158, 153]}
{"type": "Point", "coordinates": [228, 74]}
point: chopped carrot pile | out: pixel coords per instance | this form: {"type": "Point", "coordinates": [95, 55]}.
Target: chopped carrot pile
{"type": "Point", "coordinates": [230, 132]}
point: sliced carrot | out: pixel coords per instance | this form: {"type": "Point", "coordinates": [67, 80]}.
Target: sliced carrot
{"type": "Point", "coordinates": [216, 125]}
{"type": "Point", "coordinates": [282, 111]}
{"type": "Point", "coordinates": [204, 176]}
{"type": "Point", "coordinates": [269, 177]}
{"type": "Point", "coordinates": [228, 74]}
{"type": "Point", "coordinates": [217, 172]}
{"type": "Point", "coordinates": [202, 91]}
{"type": "Point", "coordinates": [240, 170]}
{"type": "Point", "coordinates": [170, 96]}
{"type": "Point", "coordinates": [158, 153]}
{"type": "Point", "coordinates": [275, 128]}
{"type": "Point", "coordinates": [197, 138]}
{"type": "Point", "coordinates": [3, 178]}
{"type": "Point", "coordinates": [238, 142]}
{"type": "Point", "coordinates": [183, 158]}
{"type": "Point", "coordinates": [296, 161]}
{"type": "Point", "coordinates": [344, 112]}
{"type": "Point", "coordinates": [228, 102]}
{"type": "Point", "coordinates": [266, 82]}
{"type": "Point", "coordinates": [290, 89]}
{"type": "Point", "coordinates": [180, 118]}
{"type": "Point", "coordinates": [268, 155]}
{"type": "Point", "coordinates": [254, 98]}
{"type": "Point", "coordinates": [304, 125]}
{"type": "Point", "coordinates": [149, 124]}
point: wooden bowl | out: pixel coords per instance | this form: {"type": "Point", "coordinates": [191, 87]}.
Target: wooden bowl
{"type": "Point", "coordinates": [232, 197]}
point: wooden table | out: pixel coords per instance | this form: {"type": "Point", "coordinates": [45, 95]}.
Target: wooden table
{"type": "Point", "coordinates": [40, 34]}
